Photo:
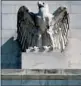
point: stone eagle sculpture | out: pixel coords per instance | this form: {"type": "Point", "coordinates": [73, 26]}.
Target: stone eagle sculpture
{"type": "Point", "coordinates": [42, 30]}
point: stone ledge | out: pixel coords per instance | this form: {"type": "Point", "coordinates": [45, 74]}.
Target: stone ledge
{"type": "Point", "coordinates": [19, 72]}
{"type": "Point", "coordinates": [41, 77]}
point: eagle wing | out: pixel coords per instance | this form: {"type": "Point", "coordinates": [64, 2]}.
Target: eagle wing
{"type": "Point", "coordinates": [61, 25]}
{"type": "Point", "coordinates": [26, 28]}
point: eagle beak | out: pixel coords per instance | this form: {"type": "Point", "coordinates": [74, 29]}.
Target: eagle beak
{"type": "Point", "coordinates": [40, 4]}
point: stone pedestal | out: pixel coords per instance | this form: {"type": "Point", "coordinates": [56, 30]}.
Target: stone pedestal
{"type": "Point", "coordinates": [44, 60]}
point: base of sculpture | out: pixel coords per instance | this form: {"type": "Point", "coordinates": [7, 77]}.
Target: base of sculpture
{"type": "Point", "coordinates": [50, 60]}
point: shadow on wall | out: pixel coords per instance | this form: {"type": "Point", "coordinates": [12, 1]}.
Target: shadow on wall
{"type": "Point", "coordinates": [10, 55]}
